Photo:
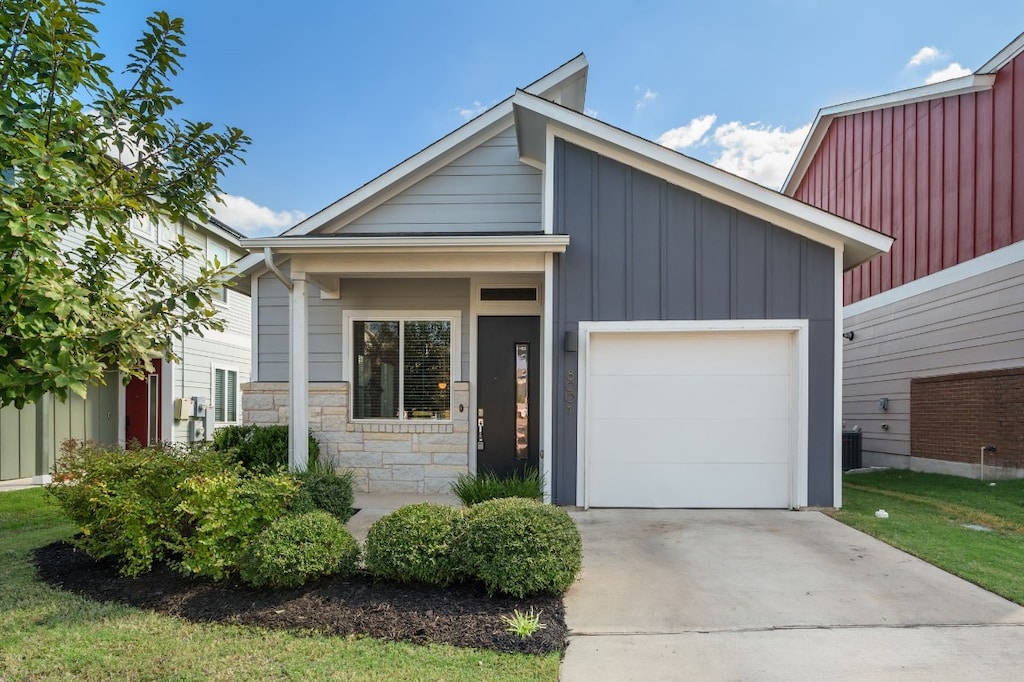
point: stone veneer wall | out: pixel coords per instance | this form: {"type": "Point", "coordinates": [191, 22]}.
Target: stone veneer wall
{"type": "Point", "coordinates": [385, 457]}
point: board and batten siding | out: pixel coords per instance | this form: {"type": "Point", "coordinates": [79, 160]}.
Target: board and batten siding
{"type": "Point", "coordinates": [325, 319]}
{"type": "Point", "coordinates": [975, 324]}
{"type": "Point", "coordinates": [643, 249]}
{"type": "Point", "coordinates": [487, 189]}
{"type": "Point", "coordinates": [945, 177]}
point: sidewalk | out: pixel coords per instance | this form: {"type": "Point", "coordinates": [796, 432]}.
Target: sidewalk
{"type": "Point", "coordinates": [18, 484]}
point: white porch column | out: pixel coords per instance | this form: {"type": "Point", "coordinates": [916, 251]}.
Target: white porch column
{"type": "Point", "coordinates": [298, 383]}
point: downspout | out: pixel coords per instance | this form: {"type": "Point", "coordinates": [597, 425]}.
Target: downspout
{"type": "Point", "coordinates": [268, 258]}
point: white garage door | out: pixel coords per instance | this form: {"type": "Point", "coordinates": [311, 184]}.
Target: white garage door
{"type": "Point", "coordinates": [690, 419]}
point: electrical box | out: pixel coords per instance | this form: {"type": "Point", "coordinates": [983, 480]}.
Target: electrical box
{"type": "Point", "coordinates": [198, 406]}
{"type": "Point", "coordinates": [196, 430]}
{"type": "Point", "coordinates": [182, 408]}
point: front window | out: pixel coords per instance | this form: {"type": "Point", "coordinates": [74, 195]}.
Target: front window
{"type": "Point", "coordinates": [401, 369]}
{"type": "Point", "coordinates": [225, 395]}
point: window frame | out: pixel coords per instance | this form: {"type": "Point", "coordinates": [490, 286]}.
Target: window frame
{"type": "Point", "coordinates": [214, 398]}
{"type": "Point", "coordinates": [222, 299]}
{"type": "Point", "coordinates": [350, 317]}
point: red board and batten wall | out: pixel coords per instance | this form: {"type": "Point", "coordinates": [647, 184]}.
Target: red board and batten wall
{"type": "Point", "coordinates": [945, 177]}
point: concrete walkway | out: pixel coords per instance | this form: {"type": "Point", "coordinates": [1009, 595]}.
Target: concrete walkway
{"type": "Point", "coordinates": [18, 484]}
{"type": "Point", "coordinates": [773, 595]}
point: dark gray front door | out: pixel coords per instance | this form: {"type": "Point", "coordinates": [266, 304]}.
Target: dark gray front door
{"type": "Point", "coordinates": [508, 394]}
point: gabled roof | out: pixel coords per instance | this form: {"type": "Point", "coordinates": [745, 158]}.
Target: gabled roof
{"type": "Point", "coordinates": [567, 85]}
{"type": "Point", "coordinates": [535, 116]}
{"type": "Point", "coordinates": [982, 79]}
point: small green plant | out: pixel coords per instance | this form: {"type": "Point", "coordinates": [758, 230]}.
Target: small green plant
{"type": "Point", "coordinates": [225, 512]}
{"type": "Point", "coordinates": [523, 625]}
{"type": "Point", "coordinates": [323, 488]}
{"type": "Point", "coordinates": [297, 548]}
{"type": "Point", "coordinates": [261, 449]}
{"type": "Point", "coordinates": [475, 488]}
{"type": "Point", "coordinates": [518, 547]}
{"type": "Point", "coordinates": [413, 544]}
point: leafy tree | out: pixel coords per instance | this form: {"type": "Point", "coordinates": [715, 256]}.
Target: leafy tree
{"type": "Point", "coordinates": [84, 152]}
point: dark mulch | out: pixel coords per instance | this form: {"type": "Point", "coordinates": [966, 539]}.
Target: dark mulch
{"type": "Point", "coordinates": [462, 615]}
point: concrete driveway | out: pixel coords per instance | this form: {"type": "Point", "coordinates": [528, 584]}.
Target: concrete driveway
{"type": "Point", "coordinates": [773, 595]}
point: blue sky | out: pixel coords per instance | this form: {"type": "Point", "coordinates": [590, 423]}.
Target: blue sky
{"type": "Point", "coordinates": [335, 93]}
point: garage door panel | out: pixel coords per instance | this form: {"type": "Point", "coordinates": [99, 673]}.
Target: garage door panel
{"type": "Point", "coordinates": [690, 419]}
{"type": "Point", "coordinates": [692, 485]}
{"type": "Point", "coordinates": [686, 396]}
{"type": "Point", "coordinates": [740, 353]}
{"type": "Point", "coordinates": [690, 440]}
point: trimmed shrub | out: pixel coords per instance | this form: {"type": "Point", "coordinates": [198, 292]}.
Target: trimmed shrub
{"type": "Point", "coordinates": [519, 547]}
{"type": "Point", "coordinates": [413, 544]}
{"type": "Point", "coordinates": [324, 489]}
{"type": "Point", "coordinates": [475, 488]}
{"type": "Point", "coordinates": [261, 449]}
{"type": "Point", "coordinates": [225, 512]}
{"type": "Point", "coordinates": [297, 548]}
{"type": "Point", "coordinates": [125, 502]}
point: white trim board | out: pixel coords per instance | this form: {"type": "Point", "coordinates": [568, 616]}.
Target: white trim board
{"type": "Point", "coordinates": [800, 389]}
{"type": "Point", "coordinates": [1008, 255]}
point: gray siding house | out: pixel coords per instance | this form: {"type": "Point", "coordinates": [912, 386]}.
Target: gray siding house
{"type": "Point", "coordinates": [539, 288]}
{"type": "Point", "coordinates": [212, 368]}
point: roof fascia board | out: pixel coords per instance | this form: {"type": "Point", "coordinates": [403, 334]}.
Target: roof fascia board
{"type": "Point", "coordinates": [572, 70]}
{"type": "Point", "coordinates": [975, 82]}
{"type": "Point", "coordinates": [706, 180]}
{"type": "Point", "coordinates": [1004, 56]}
{"type": "Point", "coordinates": [546, 243]}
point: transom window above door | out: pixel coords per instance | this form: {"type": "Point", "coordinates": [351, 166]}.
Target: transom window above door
{"type": "Point", "coordinates": [401, 367]}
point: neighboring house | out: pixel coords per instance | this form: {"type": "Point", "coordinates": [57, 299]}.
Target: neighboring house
{"type": "Point", "coordinates": [539, 288]}
{"type": "Point", "coordinates": [934, 364]}
{"type": "Point", "coordinates": [212, 367]}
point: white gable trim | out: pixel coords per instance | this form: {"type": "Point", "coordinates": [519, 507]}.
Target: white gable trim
{"type": "Point", "coordinates": [485, 126]}
{"type": "Point", "coordinates": [975, 82]}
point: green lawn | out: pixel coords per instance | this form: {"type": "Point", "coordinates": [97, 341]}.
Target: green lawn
{"type": "Point", "coordinates": [927, 518]}
{"type": "Point", "coordinates": [46, 634]}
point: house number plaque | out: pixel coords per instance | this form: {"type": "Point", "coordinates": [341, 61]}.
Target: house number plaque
{"type": "Point", "coordinates": [570, 389]}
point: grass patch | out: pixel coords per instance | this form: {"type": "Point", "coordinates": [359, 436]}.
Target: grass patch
{"type": "Point", "coordinates": [927, 518]}
{"type": "Point", "coordinates": [46, 634]}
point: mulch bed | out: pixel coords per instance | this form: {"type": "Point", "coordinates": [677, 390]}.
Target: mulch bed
{"type": "Point", "coordinates": [462, 615]}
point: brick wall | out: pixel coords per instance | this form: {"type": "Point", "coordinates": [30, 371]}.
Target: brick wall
{"type": "Point", "coordinates": [384, 457]}
{"type": "Point", "coordinates": [953, 416]}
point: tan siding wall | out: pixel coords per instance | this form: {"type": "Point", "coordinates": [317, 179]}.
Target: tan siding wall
{"type": "Point", "coordinates": [973, 325]}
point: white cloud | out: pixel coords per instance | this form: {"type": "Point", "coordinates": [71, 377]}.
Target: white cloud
{"type": "Point", "coordinates": [592, 113]}
{"type": "Point", "coordinates": [645, 97]}
{"type": "Point", "coordinates": [925, 54]}
{"type": "Point", "coordinates": [689, 134]}
{"type": "Point", "coordinates": [758, 152]}
{"type": "Point", "coordinates": [954, 70]}
{"type": "Point", "coordinates": [252, 219]}
{"type": "Point", "coordinates": [471, 111]}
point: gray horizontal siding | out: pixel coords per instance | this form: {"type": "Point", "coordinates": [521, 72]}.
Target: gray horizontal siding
{"type": "Point", "coordinates": [972, 325]}
{"type": "Point", "coordinates": [642, 249]}
{"type": "Point", "coordinates": [485, 190]}
{"type": "Point", "coordinates": [325, 319]}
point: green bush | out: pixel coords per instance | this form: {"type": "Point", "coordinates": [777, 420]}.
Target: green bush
{"type": "Point", "coordinates": [475, 488]}
{"type": "Point", "coordinates": [225, 512]}
{"type": "Point", "coordinates": [413, 544]}
{"type": "Point", "coordinates": [324, 489]}
{"type": "Point", "coordinates": [297, 548]}
{"type": "Point", "coordinates": [519, 547]}
{"type": "Point", "coordinates": [125, 502]}
{"type": "Point", "coordinates": [261, 449]}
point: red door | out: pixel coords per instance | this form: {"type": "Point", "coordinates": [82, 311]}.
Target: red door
{"type": "Point", "coordinates": [142, 413]}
